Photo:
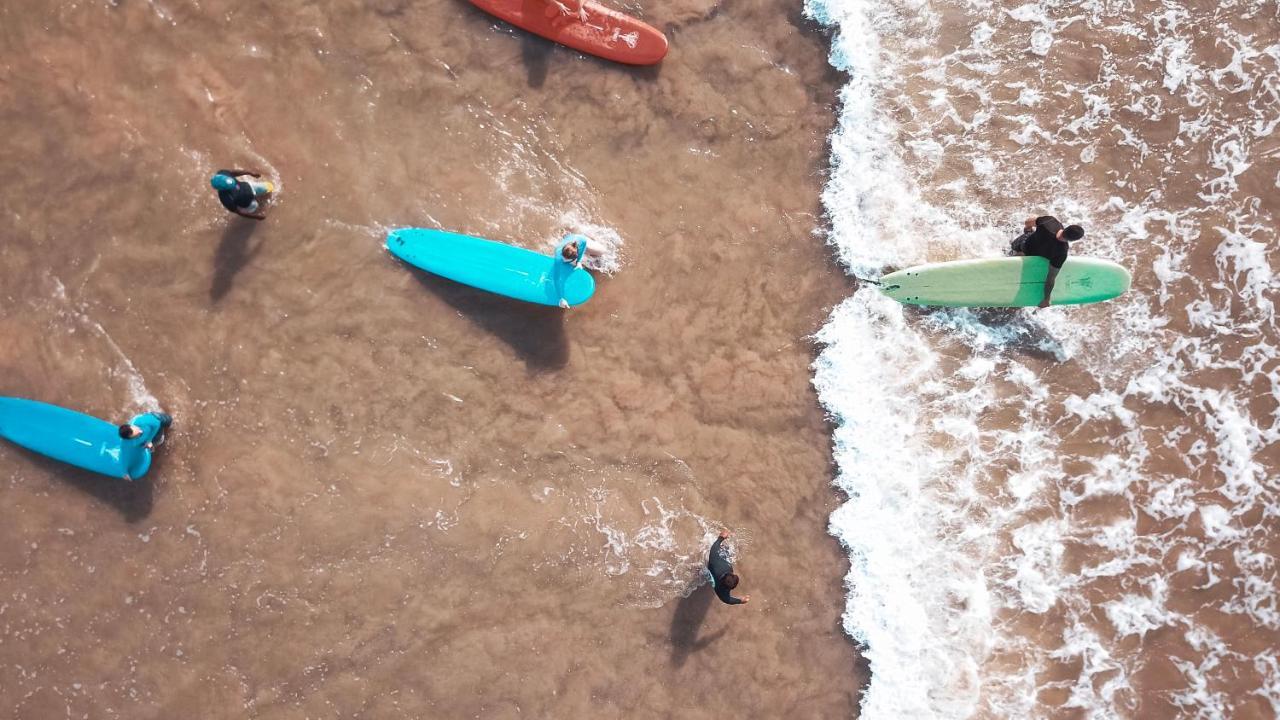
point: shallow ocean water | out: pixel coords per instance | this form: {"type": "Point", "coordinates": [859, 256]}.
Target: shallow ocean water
{"type": "Point", "coordinates": [385, 495]}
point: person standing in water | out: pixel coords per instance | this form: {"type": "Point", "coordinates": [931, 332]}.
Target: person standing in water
{"type": "Point", "coordinates": [721, 571]}
{"type": "Point", "coordinates": [143, 433]}
{"type": "Point", "coordinates": [1045, 237]}
{"type": "Point", "coordinates": [573, 251]}
{"type": "Point", "coordinates": [239, 196]}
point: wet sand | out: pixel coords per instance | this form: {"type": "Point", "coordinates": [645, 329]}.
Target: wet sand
{"type": "Point", "coordinates": [386, 495]}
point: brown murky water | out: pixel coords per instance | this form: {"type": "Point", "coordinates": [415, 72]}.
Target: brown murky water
{"type": "Point", "coordinates": [386, 495]}
{"type": "Point", "coordinates": [1063, 513]}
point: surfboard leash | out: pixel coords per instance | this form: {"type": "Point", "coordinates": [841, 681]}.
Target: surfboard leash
{"type": "Point", "coordinates": [876, 282]}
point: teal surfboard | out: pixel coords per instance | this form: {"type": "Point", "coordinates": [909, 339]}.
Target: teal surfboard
{"type": "Point", "coordinates": [75, 438]}
{"type": "Point", "coordinates": [492, 266]}
{"type": "Point", "coordinates": [1005, 282]}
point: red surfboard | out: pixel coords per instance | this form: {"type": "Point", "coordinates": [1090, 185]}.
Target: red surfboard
{"type": "Point", "coordinates": [605, 33]}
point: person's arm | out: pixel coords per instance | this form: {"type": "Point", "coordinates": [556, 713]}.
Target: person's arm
{"type": "Point", "coordinates": [1029, 224]}
{"type": "Point", "coordinates": [1048, 285]}
{"type": "Point", "coordinates": [1019, 244]}
{"type": "Point", "coordinates": [255, 216]}
{"type": "Point", "coordinates": [238, 173]}
{"type": "Point", "coordinates": [715, 547]}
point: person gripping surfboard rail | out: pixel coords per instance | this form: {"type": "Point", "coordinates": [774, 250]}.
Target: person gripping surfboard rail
{"type": "Point", "coordinates": [721, 572]}
{"type": "Point", "coordinates": [1045, 237]}
{"type": "Point", "coordinates": [574, 250]}
{"type": "Point", "coordinates": [239, 196]}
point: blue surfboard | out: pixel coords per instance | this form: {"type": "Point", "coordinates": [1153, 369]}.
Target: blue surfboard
{"type": "Point", "coordinates": [75, 438]}
{"type": "Point", "coordinates": [492, 266]}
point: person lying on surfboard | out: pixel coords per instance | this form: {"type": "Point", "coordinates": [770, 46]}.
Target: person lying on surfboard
{"type": "Point", "coordinates": [1045, 237]}
{"type": "Point", "coordinates": [574, 250]}
{"type": "Point", "coordinates": [241, 197]}
{"type": "Point", "coordinates": [156, 423]}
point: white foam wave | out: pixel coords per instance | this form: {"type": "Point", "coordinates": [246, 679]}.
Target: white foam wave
{"type": "Point", "coordinates": [123, 368]}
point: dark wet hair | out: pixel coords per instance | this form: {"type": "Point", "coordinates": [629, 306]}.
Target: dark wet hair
{"type": "Point", "coordinates": [1073, 232]}
{"type": "Point", "coordinates": [730, 581]}
{"type": "Point", "coordinates": [126, 431]}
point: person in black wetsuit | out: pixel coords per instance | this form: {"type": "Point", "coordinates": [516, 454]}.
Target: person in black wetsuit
{"type": "Point", "coordinates": [1045, 237]}
{"type": "Point", "coordinates": [721, 570]}
{"type": "Point", "coordinates": [238, 196]}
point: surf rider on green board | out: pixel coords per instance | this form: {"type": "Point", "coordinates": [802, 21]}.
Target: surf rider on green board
{"type": "Point", "coordinates": [573, 250]}
{"type": "Point", "coordinates": [1045, 237]}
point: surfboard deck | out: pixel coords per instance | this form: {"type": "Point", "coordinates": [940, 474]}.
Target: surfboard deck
{"type": "Point", "coordinates": [492, 266]}
{"type": "Point", "coordinates": [606, 33]}
{"type": "Point", "coordinates": [1006, 282]}
{"type": "Point", "coordinates": [72, 437]}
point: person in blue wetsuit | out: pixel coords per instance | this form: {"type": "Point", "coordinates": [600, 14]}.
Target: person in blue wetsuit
{"type": "Point", "coordinates": [1045, 237]}
{"type": "Point", "coordinates": [142, 434]}
{"type": "Point", "coordinates": [721, 571]}
{"type": "Point", "coordinates": [239, 196]}
{"type": "Point", "coordinates": [573, 251]}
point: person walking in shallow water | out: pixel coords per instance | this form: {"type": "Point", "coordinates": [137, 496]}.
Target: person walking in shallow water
{"type": "Point", "coordinates": [721, 571]}
{"type": "Point", "coordinates": [239, 196]}
{"type": "Point", "coordinates": [1045, 237]}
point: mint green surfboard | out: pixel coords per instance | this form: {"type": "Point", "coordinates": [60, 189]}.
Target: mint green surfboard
{"type": "Point", "coordinates": [1005, 282]}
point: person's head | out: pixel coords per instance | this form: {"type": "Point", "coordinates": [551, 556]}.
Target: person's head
{"type": "Point", "coordinates": [223, 182]}
{"type": "Point", "coordinates": [129, 432]}
{"type": "Point", "coordinates": [1072, 233]}
{"type": "Point", "coordinates": [729, 581]}
{"type": "Point", "coordinates": [570, 251]}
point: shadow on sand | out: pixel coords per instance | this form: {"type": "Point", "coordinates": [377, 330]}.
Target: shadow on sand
{"type": "Point", "coordinates": [232, 255]}
{"type": "Point", "coordinates": [131, 498]}
{"type": "Point", "coordinates": [535, 332]}
{"type": "Point", "coordinates": [686, 624]}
